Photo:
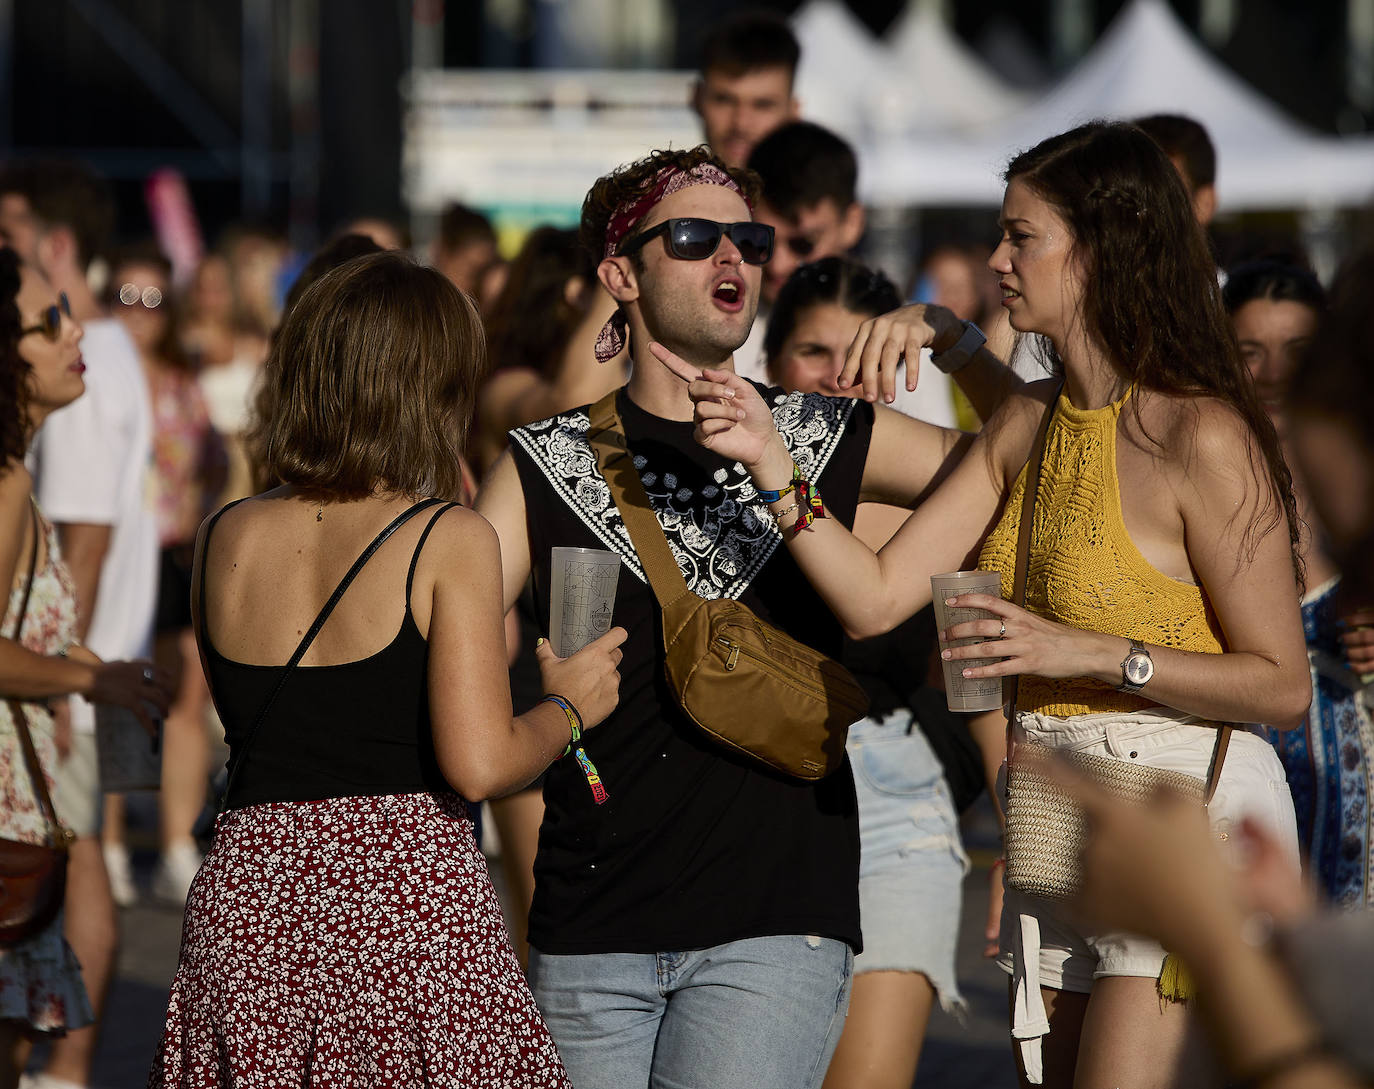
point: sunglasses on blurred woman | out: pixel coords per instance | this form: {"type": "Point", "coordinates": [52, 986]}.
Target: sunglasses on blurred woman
{"type": "Point", "coordinates": [50, 321]}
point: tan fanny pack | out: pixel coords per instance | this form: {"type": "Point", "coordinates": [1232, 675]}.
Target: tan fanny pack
{"type": "Point", "coordinates": [747, 684]}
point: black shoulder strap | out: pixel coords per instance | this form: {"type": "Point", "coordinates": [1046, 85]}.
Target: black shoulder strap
{"type": "Point", "coordinates": [420, 544]}
{"type": "Point", "coordinates": [199, 569]}
{"type": "Point", "coordinates": [304, 645]}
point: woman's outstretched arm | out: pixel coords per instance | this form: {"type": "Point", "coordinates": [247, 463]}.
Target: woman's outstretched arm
{"type": "Point", "coordinates": [871, 593]}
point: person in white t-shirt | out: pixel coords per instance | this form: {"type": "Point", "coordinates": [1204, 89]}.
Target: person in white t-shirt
{"type": "Point", "coordinates": [90, 464]}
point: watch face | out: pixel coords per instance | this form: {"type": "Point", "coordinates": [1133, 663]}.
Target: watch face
{"type": "Point", "coordinates": [1138, 668]}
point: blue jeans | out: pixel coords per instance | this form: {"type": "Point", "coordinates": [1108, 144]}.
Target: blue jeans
{"type": "Point", "coordinates": [759, 1013]}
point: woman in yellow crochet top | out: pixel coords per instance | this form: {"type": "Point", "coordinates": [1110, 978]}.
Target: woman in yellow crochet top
{"type": "Point", "coordinates": [1162, 590]}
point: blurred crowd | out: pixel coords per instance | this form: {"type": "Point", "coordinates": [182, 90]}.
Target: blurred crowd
{"type": "Point", "coordinates": [181, 414]}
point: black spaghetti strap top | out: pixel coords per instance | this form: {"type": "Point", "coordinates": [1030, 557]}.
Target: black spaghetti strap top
{"type": "Point", "coordinates": [359, 728]}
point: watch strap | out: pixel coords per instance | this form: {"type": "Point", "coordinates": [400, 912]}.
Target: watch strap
{"type": "Point", "coordinates": [1127, 685]}
{"type": "Point", "coordinates": [957, 356]}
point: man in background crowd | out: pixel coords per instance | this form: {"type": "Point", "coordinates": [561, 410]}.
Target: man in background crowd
{"type": "Point", "coordinates": [744, 91]}
{"type": "Point", "coordinates": [1191, 151]}
{"type": "Point", "coordinates": [464, 250]}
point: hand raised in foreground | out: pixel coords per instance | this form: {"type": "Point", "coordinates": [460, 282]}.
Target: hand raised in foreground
{"type": "Point", "coordinates": [731, 418]}
{"type": "Point", "coordinates": [1156, 869]}
{"type": "Point", "coordinates": [589, 679]}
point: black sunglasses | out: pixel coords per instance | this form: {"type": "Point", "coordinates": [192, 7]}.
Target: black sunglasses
{"type": "Point", "coordinates": [50, 324]}
{"type": "Point", "coordinates": [696, 239]}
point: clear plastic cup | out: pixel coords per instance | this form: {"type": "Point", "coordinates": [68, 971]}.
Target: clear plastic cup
{"type": "Point", "coordinates": [582, 584]}
{"type": "Point", "coordinates": [966, 693]}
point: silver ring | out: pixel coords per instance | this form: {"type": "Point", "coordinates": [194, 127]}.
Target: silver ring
{"type": "Point", "coordinates": [1003, 633]}
{"type": "Point", "coordinates": [147, 674]}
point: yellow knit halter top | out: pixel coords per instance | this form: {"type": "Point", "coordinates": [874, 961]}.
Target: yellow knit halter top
{"type": "Point", "coordinates": [1084, 569]}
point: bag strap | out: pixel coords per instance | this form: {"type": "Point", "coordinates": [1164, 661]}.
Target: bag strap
{"type": "Point", "coordinates": [1034, 464]}
{"type": "Point", "coordinates": [1218, 759]}
{"type": "Point", "coordinates": [606, 436]}
{"type": "Point", "coordinates": [57, 835]}
{"type": "Point", "coordinates": [304, 645]}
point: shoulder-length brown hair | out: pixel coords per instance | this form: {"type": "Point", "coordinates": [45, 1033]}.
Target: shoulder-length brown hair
{"type": "Point", "coordinates": [372, 378]}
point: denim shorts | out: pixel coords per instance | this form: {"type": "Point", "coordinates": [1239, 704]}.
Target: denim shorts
{"type": "Point", "coordinates": [912, 864]}
{"type": "Point", "coordinates": [1039, 948]}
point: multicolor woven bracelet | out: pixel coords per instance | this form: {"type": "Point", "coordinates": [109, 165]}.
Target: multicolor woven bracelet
{"type": "Point", "coordinates": [599, 794]}
{"type": "Point", "coordinates": [773, 497]}
{"type": "Point", "coordinates": [812, 506]}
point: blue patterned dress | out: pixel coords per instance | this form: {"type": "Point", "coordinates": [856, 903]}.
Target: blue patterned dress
{"type": "Point", "coordinates": [1330, 763]}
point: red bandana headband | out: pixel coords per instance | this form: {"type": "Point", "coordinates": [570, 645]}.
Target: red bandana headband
{"type": "Point", "coordinates": [611, 340]}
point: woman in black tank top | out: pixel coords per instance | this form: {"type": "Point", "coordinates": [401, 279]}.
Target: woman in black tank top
{"type": "Point", "coordinates": [343, 926]}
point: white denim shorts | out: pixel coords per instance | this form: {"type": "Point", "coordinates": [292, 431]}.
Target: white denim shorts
{"type": "Point", "coordinates": [1039, 948]}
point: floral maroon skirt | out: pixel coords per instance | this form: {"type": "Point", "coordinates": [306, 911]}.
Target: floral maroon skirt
{"type": "Point", "coordinates": [353, 942]}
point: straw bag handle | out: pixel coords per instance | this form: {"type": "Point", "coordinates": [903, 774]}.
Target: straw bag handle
{"type": "Point", "coordinates": [56, 833]}
{"type": "Point", "coordinates": [606, 436]}
{"type": "Point", "coordinates": [1034, 465]}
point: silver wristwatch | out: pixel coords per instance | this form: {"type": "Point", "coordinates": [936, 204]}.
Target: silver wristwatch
{"type": "Point", "coordinates": [956, 357]}
{"type": "Point", "coordinates": [1136, 668]}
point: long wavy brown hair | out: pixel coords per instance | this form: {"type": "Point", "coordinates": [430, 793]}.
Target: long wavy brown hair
{"type": "Point", "coordinates": [1151, 300]}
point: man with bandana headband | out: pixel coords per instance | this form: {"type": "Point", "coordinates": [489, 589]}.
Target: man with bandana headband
{"type": "Point", "coordinates": [695, 916]}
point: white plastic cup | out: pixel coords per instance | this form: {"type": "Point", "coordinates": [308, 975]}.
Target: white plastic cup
{"type": "Point", "coordinates": [582, 584]}
{"type": "Point", "coordinates": [966, 693]}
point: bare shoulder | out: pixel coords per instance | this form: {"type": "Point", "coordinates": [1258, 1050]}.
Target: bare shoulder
{"type": "Point", "coordinates": [1197, 432]}
{"type": "Point", "coordinates": [462, 527]}
{"type": "Point", "coordinates": [460, 541]}
{"type": "Point", "coordinates": [16, 484]}
{"type": "Point", "coordinates": [1011, 430]}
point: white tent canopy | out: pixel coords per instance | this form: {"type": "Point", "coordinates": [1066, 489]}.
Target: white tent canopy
{"type": "Point", "coordinates": [935, 83]}
{"type": "Point", "coordinates": [1146, 62]}
{"type": "Point", "coordinates": [921, 79]}
{"type": "Point", "coordinates": [839, 59]}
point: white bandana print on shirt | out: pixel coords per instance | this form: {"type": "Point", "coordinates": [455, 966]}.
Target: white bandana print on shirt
{"type": "Point", "coordinates": [719, 555]}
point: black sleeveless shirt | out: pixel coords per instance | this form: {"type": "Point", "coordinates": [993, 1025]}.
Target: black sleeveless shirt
{"type": "Point", "coordinates": [695, 846]}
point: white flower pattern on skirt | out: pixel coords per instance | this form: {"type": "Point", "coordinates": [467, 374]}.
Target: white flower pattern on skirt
{"type": "Point", "coordinates": [40, 980]}
{"type": "Point", "coordinates": [351, 942]}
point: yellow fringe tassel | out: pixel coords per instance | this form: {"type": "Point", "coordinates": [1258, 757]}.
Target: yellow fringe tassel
{"type": "Point", "coordinates": [1175, 983]}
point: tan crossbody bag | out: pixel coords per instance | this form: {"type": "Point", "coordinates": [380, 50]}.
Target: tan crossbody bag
{"type": "Point", "coordinates": [750, 686]}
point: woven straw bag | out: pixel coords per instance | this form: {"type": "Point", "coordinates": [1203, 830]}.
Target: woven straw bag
{"type": "Point", "coordinates": [1046, 834]}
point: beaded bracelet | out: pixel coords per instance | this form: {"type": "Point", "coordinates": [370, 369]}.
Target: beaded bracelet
{"type": "Point", "coordinates": [599, 794]}
{"type": "Point", "coordinates": [783, 514]}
